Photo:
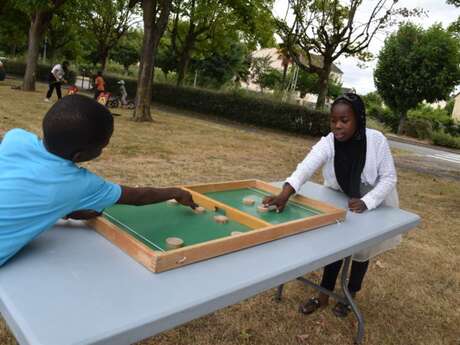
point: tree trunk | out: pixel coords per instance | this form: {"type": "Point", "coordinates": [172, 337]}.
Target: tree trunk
{"type": "Point", "coordinates": [402, 121]}
{"type": "Point", "coordinates": [38, 24]}
{"type": "Point", "coordinates": [184, 61]}
{"type": "Point", "coordinates": [103, 56]}
{"type": "Point", "coordinates": [323, 85]}
{"type": "Point", "coordinates": [285, 68]}
{"type": "Point", "coordinates": [153, 30]}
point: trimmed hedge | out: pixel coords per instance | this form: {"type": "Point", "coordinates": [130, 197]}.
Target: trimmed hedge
{"type": "Point", "coordinates": [234, 106]}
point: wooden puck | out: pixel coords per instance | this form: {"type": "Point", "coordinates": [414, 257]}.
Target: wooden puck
{"type": "Point", "coordinates": [221, 219]}
{"type": "Point", "coordinates": [264, 209]}
{"type": "Point", "coordinates": [234, 233]}
{"type": "Point", "coordinates": [172, 202]}
{"type": "Point", "coordinates": [199, 210]}
{"type": "Point", "coordinates": [248, 201]}
{"type": "Point", "coordinates": [174, 242]}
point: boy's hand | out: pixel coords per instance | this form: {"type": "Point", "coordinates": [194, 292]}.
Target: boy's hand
{"type": "Point", "coordinates": [183, 197]}
{"type": "Point", "coordinates": [83, 214]}
{"type": "Point", "coordinates": [357, 205]}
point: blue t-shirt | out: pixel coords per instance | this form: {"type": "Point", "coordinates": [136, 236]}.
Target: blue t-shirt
{"type": "Point", "coordinates": [37, 188]}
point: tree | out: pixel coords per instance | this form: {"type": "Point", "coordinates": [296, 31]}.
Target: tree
{"type": "Point", "coordinates": [221, 66]}
{"type": "Point", "coordinates": [454, 27]}
{"type": "Point", "coordinates": [155, 15]}
{"type": "Point", "coordinates": [271, 79]}
{"type": "Point", "coordinates": [107, 21]}
{"type": "Point", "coordinates": [40, 13]}
{"type": "Point", "coordinates": [416, 65]}
{"type": "Point", "coordinates": [329, 29]}
{"type": "Point", "coordinates": [126, 52]}
{"type": "Point", "coordinates": [197, 21]}
{"type": "Point", "coordinates": [308, 83]}
{"type": "Point", "coordinates": [13, 29]}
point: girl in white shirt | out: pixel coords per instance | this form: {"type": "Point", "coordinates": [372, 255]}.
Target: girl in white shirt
{"type": "Point", "coordinates": [357, 161]}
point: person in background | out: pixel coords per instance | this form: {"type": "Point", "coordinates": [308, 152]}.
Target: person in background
{"type": "Point", "coordinates": [99, 84]}
{"type": "Point", "coordinates": [2, 71]}
{"type": "Point", "coordinates": [123, 93]}
{"type": "Point", "coordinates": [56, 78]}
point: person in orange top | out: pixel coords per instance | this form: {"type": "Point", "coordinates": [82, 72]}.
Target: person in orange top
{"type": "Point", "coordinates": [100, 85]}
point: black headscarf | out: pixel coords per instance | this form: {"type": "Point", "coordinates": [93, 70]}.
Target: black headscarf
{"type": "Point", "coordinates": [350, 156]}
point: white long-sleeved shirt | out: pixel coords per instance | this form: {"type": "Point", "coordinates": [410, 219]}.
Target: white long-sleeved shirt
{"type": "Point", "coordinates": [379, 171]}
{"type": "Point", "coordinates": [58, 72]}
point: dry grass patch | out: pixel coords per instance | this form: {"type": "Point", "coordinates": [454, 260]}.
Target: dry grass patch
{"type": "Point", "coordinates": [411, 296]}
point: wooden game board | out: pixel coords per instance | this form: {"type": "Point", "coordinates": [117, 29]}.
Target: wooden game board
{"type": "Point", "coordinates": [141, 231]}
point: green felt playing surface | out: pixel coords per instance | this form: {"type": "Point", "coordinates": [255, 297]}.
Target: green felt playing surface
{"type": "Point", "coordinates": [234, 198]}
{"type": "Point", "coordinates": [152, 224]}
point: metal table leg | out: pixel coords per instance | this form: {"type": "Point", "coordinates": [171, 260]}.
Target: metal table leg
{"type": "Point", "coordinates": [349, 298]}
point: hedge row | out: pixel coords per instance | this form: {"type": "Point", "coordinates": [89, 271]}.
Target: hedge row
{"type": "Point", "coordinates": [235, 106]}
{"type": "Point", "coordinates": [230, 105]}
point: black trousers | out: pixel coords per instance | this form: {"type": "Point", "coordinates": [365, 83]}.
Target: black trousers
{"type": "Point", "coordinates": [358, 271]}
{"type": "Point", "coordinates": [53, 84]}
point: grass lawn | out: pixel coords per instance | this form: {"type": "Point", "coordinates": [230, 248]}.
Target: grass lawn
{"type": "Point", "coordinates": [411, 294]}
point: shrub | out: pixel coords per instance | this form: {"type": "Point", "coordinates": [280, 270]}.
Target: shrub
{"type": "Point", "coordinates": [439, 118]}
{"type": "Point", "coordinates": [418, 128]}
{"type": "Point", "coordinates": [445, 139]}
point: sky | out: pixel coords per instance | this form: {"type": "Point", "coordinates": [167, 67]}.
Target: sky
{"type": "Point", "coordinates": [361, 79]}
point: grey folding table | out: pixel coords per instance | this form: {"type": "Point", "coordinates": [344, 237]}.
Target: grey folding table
{"type": "Point", "coordinates": [71, 286]}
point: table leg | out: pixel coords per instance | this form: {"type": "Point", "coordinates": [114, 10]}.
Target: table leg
{"type": "Point", "coordinates": [349, 299]}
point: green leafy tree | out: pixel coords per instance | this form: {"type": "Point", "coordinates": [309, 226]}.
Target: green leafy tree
{"type": "Point", "coordinates": [222, 65]}
{"type": "Point", "coordinates": [106, 21]}
{"type": "Point", "coordinates": [308, 83]}
{"type": "Point", "coordinates": [13, 29]}
{"type": "Point", "coordinates": [126, 52]}
{"type": "Point", "coordinates": [40, 13]}
{"type": "Point", "coordinates": [271, 78]}
{"type": "Point", "coordinates": [416, 65]}
{"type": "Point", "coordinates": [198, 21]}
{"type": "Point", "coordinates": [322, 31]}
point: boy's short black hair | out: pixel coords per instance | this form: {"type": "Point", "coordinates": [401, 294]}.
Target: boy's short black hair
{"type": "Point", "coordinates": [76, 123]}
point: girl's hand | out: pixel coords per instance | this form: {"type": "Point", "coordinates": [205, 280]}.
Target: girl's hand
{"type": "Point", "coordinates": [357, 205]}
{"type": "Point", "coordinates": [279, 201]}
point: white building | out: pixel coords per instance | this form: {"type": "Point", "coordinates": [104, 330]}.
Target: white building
{"type": "Point", "coordinates": [275, 60]}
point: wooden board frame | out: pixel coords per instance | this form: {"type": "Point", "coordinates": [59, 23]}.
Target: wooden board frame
{"type": "Point", "coordinates": [261, 232]}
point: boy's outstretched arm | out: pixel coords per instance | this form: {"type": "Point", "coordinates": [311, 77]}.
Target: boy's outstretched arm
{"type": "Point", "coordinates": [145, 195]}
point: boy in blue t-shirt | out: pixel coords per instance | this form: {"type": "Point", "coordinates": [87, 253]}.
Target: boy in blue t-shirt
{"type": "Point", "coordinates": [40, 182]}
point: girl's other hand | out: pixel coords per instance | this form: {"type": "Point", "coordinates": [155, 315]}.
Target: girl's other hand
{"type": "Point", "coordinates": [357, 205]}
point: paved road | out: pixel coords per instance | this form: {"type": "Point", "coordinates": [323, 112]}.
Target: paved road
{"type": "Point", "coordinates": [442, 157]}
